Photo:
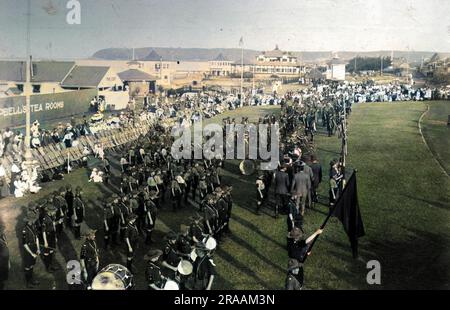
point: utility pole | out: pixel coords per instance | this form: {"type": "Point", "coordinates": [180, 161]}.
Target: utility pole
{"type": "Point", "coordinates": [381, 65]}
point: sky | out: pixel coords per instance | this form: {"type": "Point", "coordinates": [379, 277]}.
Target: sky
{"type": "Point", "coordinates": [295, 25]}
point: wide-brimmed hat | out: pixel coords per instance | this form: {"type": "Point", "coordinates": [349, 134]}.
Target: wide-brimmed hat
{"type": "Point", "coordinates": [296, 233]}
{"type": "Point", "coordinates": [152, 254]}
{"type": "Point", "coordinates": [293, 264]}
{"type": "Point", "coordinates": [30, 217]}
{"type": "Point", "coordinates": [153, 194]}
{"type": "Point", "coordinates": [131, 217]}
{"type": "Point", "coordinates": [171, 236]}
{"type": "Point", "coordinates": [196, 217]}
{"type": "Point", "coordinates": [88, 231]}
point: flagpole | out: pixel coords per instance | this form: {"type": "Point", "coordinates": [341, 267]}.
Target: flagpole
{"type": "Point", "coordinates": [242, 70]}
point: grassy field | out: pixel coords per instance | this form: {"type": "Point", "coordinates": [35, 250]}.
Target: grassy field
{"type": "Point", "coordinates": [404, 199]}
{"type": "Point", "coordinates": [437, 133]}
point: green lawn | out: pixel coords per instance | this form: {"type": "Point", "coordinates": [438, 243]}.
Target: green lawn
{"type": "Point", "coordinates": [402, 193]}
{"type": "Point", "coordinates": [437, 133]}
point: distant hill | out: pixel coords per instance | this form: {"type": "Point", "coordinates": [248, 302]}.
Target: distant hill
{"type": "Point", "coordinates": [234, 54]}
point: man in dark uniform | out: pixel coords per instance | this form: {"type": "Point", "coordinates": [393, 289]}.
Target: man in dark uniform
{"type": "Point", "coordinates": [49, 237]}
{"type": "Point", "coordinates": [294, 279]}
{"type": "Point", "coordinates": [222, 211]}
{"type": "Point", "coordinates": [89, 258]}
{"type": "Point", "coordinates": [79, 211]}
{"type": "Point", "coordinates": [203, 268]}
{"type": "Point", "coordinates": [123, 205]}
{"type": "Point", "coordinates": [30, 243]}
{"type": "Point", "coordinates": [110, 222]}
{"type": "Point", "coordinates": [281, 189]}
{"type": "Point", "coordinates": [229, 200]}
{"type": "Point", "coordinates": [183, 243]}
{"type": "Point", "coordinates": [317, 176]}
{"type": "Point", "coordinates": [131, 240]}
{"type": "Point", "coordinates": [4, 260]}
{"type": "Point", "coordinates": [153, 274]}
{"type": "Point", "coordinates": [195, 229]}
{"type": "Point", "coordinates": [69, 199]}
{"type": "Point", "coordinates": [61, 209]}
{"type": "Point", "coordinates": [170, 255]}
{"type": "Point", "coordinates": [150, 212]}
{"type": "Point", "coordinates": [210, 214]}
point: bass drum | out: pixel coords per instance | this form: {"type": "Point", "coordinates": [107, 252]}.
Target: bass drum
{"type": "Point", "coordinates": [113, 277]}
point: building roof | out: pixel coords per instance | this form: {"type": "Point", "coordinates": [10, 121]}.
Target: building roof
{"type": "Point", "coordinates": [336, 61]}
{"type": "Point", "coordinates": [276, 53]}
{"type": "Point", "coordinates": [277, 64]}
{"type": "Point", "coordinates": [13, 71]}
{"type": "Point", "coordinates": [153, 56]}
{"type": "Point", "coordinates": [43, 71]}
{"type": "Point", "coordinates": [51, 71]}
{"type": "Point", "coordinates": [85, 76]}
{"type": "Point", "coordinates": [220, 57]}
{"type": "Point", "coordinates": [136, 75]}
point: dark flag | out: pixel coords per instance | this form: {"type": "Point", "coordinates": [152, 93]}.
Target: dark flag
{"type": "Point", "coordinates": [347, 211]}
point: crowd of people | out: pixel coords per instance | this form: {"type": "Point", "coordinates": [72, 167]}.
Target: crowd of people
{"type": "Point", "coordinates": [146, 180]}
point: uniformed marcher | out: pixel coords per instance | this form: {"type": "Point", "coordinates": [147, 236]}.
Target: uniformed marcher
{"type": "Point", "coordinates": [89, 257]}
{"type": "Point", "coordinates": [111, 219]}
{"type": "Point", "coordinates": [4, 260]}
{"type": "Point", "coordinates": [229, 200]}
{"type": "Point", "coordinates": [61, 209]}
{"type": "Point", "coordinates": [31, 251]}
{"type": "Point", "coordinates": [204, 267]}
{"type": "Point", "coordinates": [260, 187]}
{"type": "Point", "coordinates": [150, 212]}
{"type": "Point", "coordinates": [210, 215]}
{"type": "Point", "coordinates": [294, 279]}
{"type": "Point", "coordinates": [79, 211]}
{"type": "Point", "coordinates": [123, 205]}
{"type": "Point", "coordinates": [170, 255]}
{"type": "Point", "coordinates": [153, 274]}
{"type": "Point", "coordinates": [69, 196]}
{"type": "Point", "coordinates": [183, 244]}
{"type": "Point", "coordinates": [222, 211]}
{"type": "Point", "coordinates": [131, 240]}
{"type": "Point", "coordinates": [176, 194]}
{"type": "Point", "coordinates": [49, 237]}
{"type": "Point", "coordinates": [196, 229]}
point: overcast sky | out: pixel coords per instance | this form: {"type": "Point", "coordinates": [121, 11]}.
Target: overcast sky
{"type": "Point", "coordinates": [300, 25]}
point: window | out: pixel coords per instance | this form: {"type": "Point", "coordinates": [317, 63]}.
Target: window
{"type": "Point", "coordinates": [20, 87]}
{"type": "Point", "coordinates": [36, 88]}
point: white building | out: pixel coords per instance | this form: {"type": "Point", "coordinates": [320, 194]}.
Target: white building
{"type": "Point", "coordinates": [336, 70]}
{"type": "Point", "coordinates": [277, 62]}
{"type": "Point", "coordinates": [220, 66]}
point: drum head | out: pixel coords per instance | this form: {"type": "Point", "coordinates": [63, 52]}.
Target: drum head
{"type": "Point", "coordinates": [185, 267]}
{"type": "Point", "coordinates": [171, 286]}
{"type": "Point", "coordinates": [113, 277]}
{"type": "Point", "coordinates": [107, 281]}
